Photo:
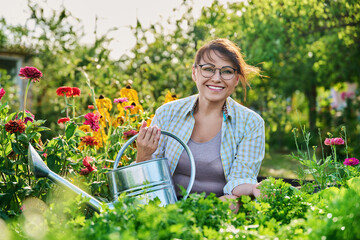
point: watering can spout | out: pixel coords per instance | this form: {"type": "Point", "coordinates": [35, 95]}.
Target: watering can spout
{"type": "Point", "coordinates": [39, 169]}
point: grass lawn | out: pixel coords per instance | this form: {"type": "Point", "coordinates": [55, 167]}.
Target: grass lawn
{"type": "Point", "coordinates": [279, 164]}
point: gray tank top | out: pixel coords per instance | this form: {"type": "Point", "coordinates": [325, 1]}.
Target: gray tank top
{"type": "Point", "coordinates": [209, 170]}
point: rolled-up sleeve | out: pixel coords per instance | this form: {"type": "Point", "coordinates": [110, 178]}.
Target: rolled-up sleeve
{"type": "Point", "coordinates": [249, 155]}
{"type": "Point", "coordinates": [159, 152]}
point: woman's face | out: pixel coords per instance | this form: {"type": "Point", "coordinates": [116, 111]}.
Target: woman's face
{"type": "Point", "coordinates": [216, 88]}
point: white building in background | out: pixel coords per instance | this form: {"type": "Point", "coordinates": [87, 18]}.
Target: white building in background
{"type": "Point", "coordinates": [11, 62]}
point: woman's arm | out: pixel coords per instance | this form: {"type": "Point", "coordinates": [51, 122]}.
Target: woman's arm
{"type": "Point", "coordinates": [240, 190]}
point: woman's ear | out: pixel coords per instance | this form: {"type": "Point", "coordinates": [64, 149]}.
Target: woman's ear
{"type": "Point", "coordinates": [237, 79]}
{"type": "Point", "coordinates": [193, 75]}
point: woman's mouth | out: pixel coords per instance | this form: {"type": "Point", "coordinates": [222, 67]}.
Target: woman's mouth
{"type": "Point", "coordinates": [215, 88]}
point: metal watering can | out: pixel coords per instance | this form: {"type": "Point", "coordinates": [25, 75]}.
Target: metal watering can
{"type": "Point", "coordinates": [145, 181]}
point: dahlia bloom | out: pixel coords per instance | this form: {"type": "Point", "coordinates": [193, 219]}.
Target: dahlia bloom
{"type": "Point", "coordinates": [89, 168]}
{"type": "Point", "coordinates": [14, 126]}
{"type": "Point", "coordinates": [64, 90]}
{"type": "Point", "coordinates": [2, 93]}
{"type": "Point", "coordinates": [334, 141]}
{"type": "Point", "coordinates": [75, 91]}
{"type": "Point", "coordinates": [89, 141]}
{"type": "Point", "coordinates": [63, 120]}
{"type": "Point", "coordinates": [120, 100]}
{"type": "Point", "coordinates": [92, 120]}
{"type": "Point", "coordinates": [351, 161]}
{"type": "Point", "coordinates": [31, 73]}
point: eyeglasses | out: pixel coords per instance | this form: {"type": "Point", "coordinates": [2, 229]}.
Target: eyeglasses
{"type": "Point", "coordinates": [208, 70]}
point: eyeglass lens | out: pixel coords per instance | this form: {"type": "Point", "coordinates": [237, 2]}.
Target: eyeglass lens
{"type": "Point", "coordinates": [208, 71]}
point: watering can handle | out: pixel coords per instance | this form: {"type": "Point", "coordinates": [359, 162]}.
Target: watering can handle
{"type": "Point", "coordinates": [191, 157]}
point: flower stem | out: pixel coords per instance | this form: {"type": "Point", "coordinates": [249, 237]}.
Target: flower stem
{"type": "Point", "coordinates": [25, 97]}
{"type": "Point", "coordinates": [73, 107]}
{"type": "Point", "coordinates": [66, 106]}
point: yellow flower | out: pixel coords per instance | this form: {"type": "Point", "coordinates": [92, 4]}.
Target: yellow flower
{"type": "Point", "coordinates": [103, 102]}
{"type": "Point", "coordinates": [100, 137]}
{"type": "Point", "coordinates": [136, 109]}
{"type": "Point", "coordinates": [85, 128]}
{"type": "Point", "coordinates": [129, 93]}
{"type": "Point", "coordinates": [148, 121]}
{"type": "Point", "coordinates": [170, 97]}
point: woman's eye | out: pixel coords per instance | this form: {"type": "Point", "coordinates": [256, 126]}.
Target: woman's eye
{"type": "Point", "coordinates": [208, 69]}
{"type": "Point", "coordinates": [227, 71]}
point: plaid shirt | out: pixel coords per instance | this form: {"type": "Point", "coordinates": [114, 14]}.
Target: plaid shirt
{"type": "Point", "coordinates": [242, 138]}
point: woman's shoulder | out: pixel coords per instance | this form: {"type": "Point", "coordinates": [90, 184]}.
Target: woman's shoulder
{"type": "Point", "coordinates": [182, 105]}
{"type": "Point", "coordinates": [239, 110]}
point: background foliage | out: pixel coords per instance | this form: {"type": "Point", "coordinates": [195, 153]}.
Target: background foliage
{"type": "Point", "coordinates": [304, 48]}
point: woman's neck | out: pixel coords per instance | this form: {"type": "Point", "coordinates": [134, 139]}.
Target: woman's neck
{"type": "Point", "coordinates": [209, 108]}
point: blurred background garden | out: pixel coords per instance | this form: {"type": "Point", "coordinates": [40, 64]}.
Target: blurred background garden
{"type": "Point", "coordinates": [308, 51]}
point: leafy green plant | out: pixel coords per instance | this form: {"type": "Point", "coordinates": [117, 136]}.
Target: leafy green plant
{"type": "Point", "coordinates": [327, 170]}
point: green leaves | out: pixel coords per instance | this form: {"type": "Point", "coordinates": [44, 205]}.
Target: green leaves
{"type": "Point", "coordinates": [70, 130]}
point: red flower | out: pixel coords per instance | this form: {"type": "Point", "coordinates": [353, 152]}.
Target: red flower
{"type": "Point", "coordinates": [64, 90]}
{"type": "Point", "coordinates": [92, 120]}
{"type": "Point", "coordinates": [351, 161]}
{"type": "Point", "coordinates": [334, 141]}
{"type": "Point", "coordinates": [14, 126]}
{"type": "Point", "coordinates": [2, 93]}
{"type": "Point", "coordinates": [89, 168]}
{"type": "Point", "coordinates": [90, 107]}
{"type": "Point", "coordinates": [89, 140]}
{"type": "Point", "coordinates": [75, 91]}
{"type": "Point", "coordinates": [31, 73]}
{"type": "Point", "coordinates": [130, 133]}
{"type": "Point", "coordinates": [63, 120]}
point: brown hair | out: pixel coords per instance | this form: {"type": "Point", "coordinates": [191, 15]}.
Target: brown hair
{"type": "Point", "coordinates": [232, 53]}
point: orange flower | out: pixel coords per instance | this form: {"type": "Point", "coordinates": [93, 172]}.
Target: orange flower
{"type": "Point", "coordinates": [89, 141]}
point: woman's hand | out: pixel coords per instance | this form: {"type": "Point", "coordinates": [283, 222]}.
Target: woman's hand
{"type": "Point", "coordinates": [256, 191]}
{"type": "Point", "coordinates": [147, 142]}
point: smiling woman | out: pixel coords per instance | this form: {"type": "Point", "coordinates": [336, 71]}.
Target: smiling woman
{"type": "Point", "coordinates": [226, 138]}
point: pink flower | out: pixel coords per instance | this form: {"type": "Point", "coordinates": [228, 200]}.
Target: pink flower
{"type": "Point", "coordinates": [92, 120]}
{"type": "Point", "coordinates": [89, 168]}
{"type": "Point", "coordinates": [130, 106]}
{"type": "Point", "coordinates": [31, 73]}
{"type": "Point", "coordinates": [334, 141]}
{"type": "Point", "coordinates": [27, 118]}
{"type": "Point", "coordinates": [2, 93]}
{"type": "Point", "coordinates": [120, 100]}
{"type": "Point", "coordinates": [351, 161]}
{"type": "Point", "coordinates": [130, 133]}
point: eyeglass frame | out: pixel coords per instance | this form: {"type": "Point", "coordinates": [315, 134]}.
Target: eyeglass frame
{"type": "Point", "coordinates": [201, 65]}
